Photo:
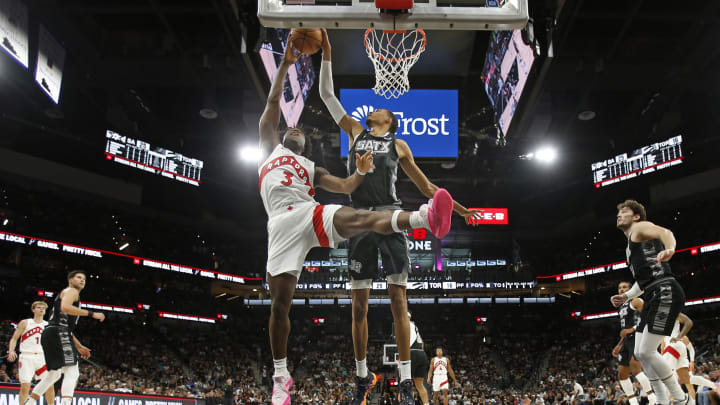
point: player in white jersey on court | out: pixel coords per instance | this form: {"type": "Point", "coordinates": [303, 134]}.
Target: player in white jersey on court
{"type": "Point", "coordinates": [297, 223]}
{"type": "Point", "coordinates": [439, 370]}
{"type": "Point", "coordinates": [31, 360]}
{"type": "Point", "coordinates": [679, 353]}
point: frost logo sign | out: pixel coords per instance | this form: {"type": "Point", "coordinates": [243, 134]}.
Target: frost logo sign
{"type": "Point", "coordinates": [427, 119]}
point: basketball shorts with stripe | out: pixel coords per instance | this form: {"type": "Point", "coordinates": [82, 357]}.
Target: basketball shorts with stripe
{"type": "Point", "coordinates": [663, 303]}
{"type": "Point", "coordinates": [292, 234]}
{"type": "Point", "coordinates": [440, 382]}
{"type": "Point", "coordinates": [31, 365]}
{"type": "Point", "coordinates": [627, 349]}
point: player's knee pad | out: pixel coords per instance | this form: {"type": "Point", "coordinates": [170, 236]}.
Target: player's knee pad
{"type": "Point", "coordinates": [71, 373]}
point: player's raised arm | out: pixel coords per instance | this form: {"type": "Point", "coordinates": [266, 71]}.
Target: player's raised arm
{"type": "Point", "coordinates": [270, 119]}
{"type": "Point", "coordinates": [426, 187]}
{"type": "Point", "coordinates": [327, 93]}
{"type": "Point", "coordinates": [645, 230]}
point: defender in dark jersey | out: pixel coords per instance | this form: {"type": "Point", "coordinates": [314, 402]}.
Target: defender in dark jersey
{"type": "Point", "coordinates": [624, 350]}
{"type": "Point", "coordinates": [649, 249]}
{"type": "Point", "coordinates": [377, 192]}
{"type": "Point", "coordinates": [61, 348]}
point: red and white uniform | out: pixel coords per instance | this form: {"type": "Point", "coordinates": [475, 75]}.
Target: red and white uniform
{"type": "Point", "coordinates": [296, 222]}
{"type": "Point", "coordinates": [676, 354]}
{"type": "Point", "coordinates": [440, 373]}
{"type": "Point", "coordinates": [31, 360]}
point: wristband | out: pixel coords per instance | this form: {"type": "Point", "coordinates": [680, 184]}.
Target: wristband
{"type": "Point", "coordinates": [360, 172]}
{"type": "Point", "coordinates": [90, 314]}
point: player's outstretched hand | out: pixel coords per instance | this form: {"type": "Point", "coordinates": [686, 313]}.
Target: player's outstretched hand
{"type": "Point", "coordinates": [665, 255]}
{"type": "Point", "coordinates": [618, 300]}
{"type": "Point", "coordinates": [471, 214]}
{"type": "Point", "coordinates": [84, 352]}
{"type": "Point", "coordinates": [364, 163]}
{"type": "Point", "coordinates": [326, 48]}
{"type": "Point", "coordinates": [99, 316]}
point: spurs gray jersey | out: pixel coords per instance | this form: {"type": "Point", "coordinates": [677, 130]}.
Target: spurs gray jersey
{"type": "Point", "coordinates": [378, 188]}
{"type": "Point", "coordinates": [641, 258]}
{"type": "Point", "coordinates": [628, 316]}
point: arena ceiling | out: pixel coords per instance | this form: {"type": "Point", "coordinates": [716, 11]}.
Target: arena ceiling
{"type": "Point", "coordinates": [646, 68]}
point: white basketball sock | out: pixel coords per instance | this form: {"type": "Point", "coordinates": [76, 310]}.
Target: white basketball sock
{"type": "Point", "coordinates": [404, 369]}
{"type": "Point", "coordinates": [361, 366]}
{"type": "Point", "coordinates": [281, 368]}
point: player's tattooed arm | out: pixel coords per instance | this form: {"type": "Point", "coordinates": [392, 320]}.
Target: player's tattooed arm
{"type": "Point", "coordinates": [270, 119]}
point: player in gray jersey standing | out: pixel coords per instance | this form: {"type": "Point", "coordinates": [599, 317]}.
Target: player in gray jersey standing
{"type": "Point", "coordinates": [376, 193]}
{"type": "Point", "coordinates": [649, 249]}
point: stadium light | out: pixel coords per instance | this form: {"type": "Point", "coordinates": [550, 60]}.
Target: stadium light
{"type": "Point", "coordinates": [546, 154]}
{"type": "Point", "coordinates": [250, 153]}
{"type": "Point", "coordinates": [5, 221]}
{"type": "Point", "coordinates": [124, 246]}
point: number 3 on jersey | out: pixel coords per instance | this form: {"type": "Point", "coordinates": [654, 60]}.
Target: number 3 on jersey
{"type": "Point", "coordinates": [288, 179]}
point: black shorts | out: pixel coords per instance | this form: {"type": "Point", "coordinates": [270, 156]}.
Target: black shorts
{"type": "Point", "coordinates": [663, 303]}
{"type": "Point", "coordinates": [419, 363]}
{"type": "Point", "coordinates": [58, 347]}
{"type": "Point", "coordinates": [627, 350]}
{"type": "Point", "coordinates": [363, 254]}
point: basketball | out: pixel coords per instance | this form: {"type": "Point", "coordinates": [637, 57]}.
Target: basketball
{"type": "Point", "coordinates": [306, 40]}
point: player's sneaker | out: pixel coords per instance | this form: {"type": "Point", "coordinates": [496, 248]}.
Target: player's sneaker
{"type": "Point", "coordinates": [363, 386]}
{"type": "Point", "coordinates": [685, 401]}
{"type": "Point", "coordinates": [405, 392]}
{"type": "Point", "coordinates": [281, 390]}
{"type": "Point", "coordinates": [438, 213]}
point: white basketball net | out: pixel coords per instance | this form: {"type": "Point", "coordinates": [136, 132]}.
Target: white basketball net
{"type": "Point", "coordinates": [393, 53]}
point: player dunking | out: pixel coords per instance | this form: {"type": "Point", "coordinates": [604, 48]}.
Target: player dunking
{"type": "Point", "coordinates": [297, 223]}
{"type": "Point", "coordinates": [649, 249]}
{"type": "Point", "coordinates": [31, 360]}
{"type": "Point", "coordinates": [629, 318]}
{"type": "Point", "coordinates": [377, 193]}
{"type": "Point", "coordinates": [61, 348]}
{"type": "Point", "coordinates": [439, 370]}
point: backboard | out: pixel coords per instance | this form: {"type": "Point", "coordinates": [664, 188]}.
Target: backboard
{"type": "Point", "coordinates": [425, 14]}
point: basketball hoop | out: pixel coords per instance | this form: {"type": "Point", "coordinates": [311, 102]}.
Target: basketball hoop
{"type": "Point", "coordinates": [393, 53]}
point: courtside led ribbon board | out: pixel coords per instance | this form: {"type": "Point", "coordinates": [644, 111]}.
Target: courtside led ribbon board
{"type": "Point", "coordinates": [49, 69]}
{"type": "Point", "coordinates": [427, 119]}
{"type": "Point", "coordinates": [489, 216]}
{"type": "Point", "coordinates": [9, 396]}
{"type": "Point", "coordinates": [14, 30]}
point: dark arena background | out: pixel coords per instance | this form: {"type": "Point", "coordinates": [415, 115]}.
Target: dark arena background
{"type": "Point", "coordinates": [128, 150]}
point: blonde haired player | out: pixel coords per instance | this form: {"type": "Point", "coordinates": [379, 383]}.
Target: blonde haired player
{"type": "Point", "coordinates": [31, 360]}
{"type": "Point", "coordinates": [439, 370]}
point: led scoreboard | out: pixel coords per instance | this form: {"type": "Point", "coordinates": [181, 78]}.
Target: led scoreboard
{"type": "Point", "coordinates": [141, 155]}
{"type": "Point", "coordinates": [641, 161]}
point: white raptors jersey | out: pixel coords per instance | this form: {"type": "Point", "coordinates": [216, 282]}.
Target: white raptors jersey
{"type": "Point", "coordinates": [30, 339]}
{"type": "Point", "coordinates": [286, 178]}
{"type": "Point", "coordinates": [440, 365]}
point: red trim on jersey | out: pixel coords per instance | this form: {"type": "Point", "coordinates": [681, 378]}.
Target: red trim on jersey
{"type": "Point", "coordinates": [37, 329]}
{"type": "Point", "coordinates": [444, 383]}
{"type": "Point", "coordinates": [672, 351]}
{"type": "Point", "coordinates": [287, 161]}
{"type": "Point", "coordinates": [319, 226]}
{"type": "Point", "coordinates": [41, 370]}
